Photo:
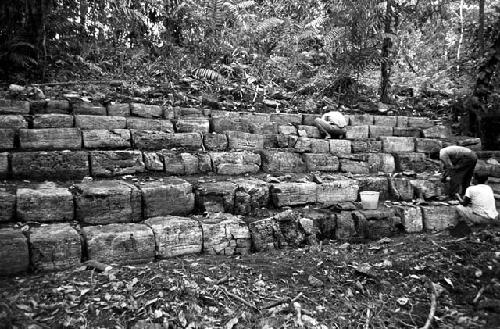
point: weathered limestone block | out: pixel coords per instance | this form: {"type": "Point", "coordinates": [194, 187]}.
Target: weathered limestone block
{"type": "Point", "coordinates": [244, 141]}
{"type": "Point", "coordinates": [153, 161]}
{"type": "Point", "coordinates": [59, 106]}
{"type": "Point", "coordinates": [176, 236]}
{"type": "Point", "coordinates": [43, 165]}
{"type": "Point", "coordinates": [113, 163]}
{"type": "Point", "coordinates": [374, 183]}
{"type": "Point", "coordinates": [146, 111]}
{"type": "Point", "coordinates": [262, 128]}
{"type": "Point", "coordinates": [402, 121]}
{"type": "Point", "coordinates": [128, 243]}
{"type": "Point", "coordinates": [379, 131]}
{"type": "Point", "coordinates": [382, 120]}
{"type": "Point", "coordinates": [8, 106]}
{"type": "Point", "coordinates": [185, 163]}
{"type": "Point", "coordinates": [235, 163]}
{"type": "Point", "coordinates": [308, 131]}
{"type": "Point", "coordinates": [401, 189]}
{"type": "Point", "coordinates": [53, 121]}
{"type": "Point", "coordinates": [286, 118]}
{"type": "Point", "coordinates": [407, 132]}
{"type": "Point", "coordinates": [106, 139]}
{"type": "Point", "coordinates": [270, 141]}
{"type": "Point", "coordinates": [215, 197]}
{"type": "Point", "coordinates": [341, 190]}
{"type": "Point", "coordinates": [14, 253]}
{"type": "Point", "coordinates": [89, 109]}
{"type": "Point", "coordinates": [345, 228]}
{"type": "Point", "coordinates": [354, 163]}
{"type": "Point", "coordinates": [191, 125]}
{"type": "Point", "coordinates": [7, 139]}
{"type": "Point", "coordinates": [99, 122]}
{"type": "Point", "coordinates": [282, 162]}
{"type": "Point", "coordinates": [420, 122]}
{"type": "Point", "coordinates": [428, 188]}
{"type": "Point", "coordinates": [4, 164]}
{"type": "Point", "coordinates": [411, 161]}
{"type": "Point", "coordinates": [437, 132]}
{"type": "Point", "coordinates": [221, 233]}
{"type": "Point", "coordinates": [215, 142]}
{"type": "Point", "coordinates": [308, 119]}
{"type": "Point", "coordinates": [428, 145]}
{"type": "Point", "coordinates": [7, 205]}
{"type": "Point", "coordinates": [250, 196]}
{"type": "Point", "coordinates": [360, 119]}
{"type": "Point", "coordinates": [312, 145]}
{"type": "Point", "coordinates": [119, 109]}
{"type": "Point", "coordinates": [150, 124]}
{"type": "Point", "coordinates": [287, 130]}
{"type": "Point", "coordinates": [292, 194]}
{"type": "Point", "coordinates": [366, 146]}
{"type": "Point", "coordinates": [13, 122]}
{"type": "Point", "coordinates": [321, 162]}
{"type": "Point", "coordinates": [55, 247]}
{"type": "Point", "coordinates": [381, 162]}
{"type": "Point", "coordinates": [375, 224]}
{"type": "Point", "coordinates": [103, 202]}
{"type": "Point", "coordinates": [286, 141]}
{"type": "Point", "coordinates": [357, 132]}
{"type": "Point", "coordinates": [189, 112]}
{"type": "Point", "coordinates": [169, 196]}
{"type": "Point", "coordinates": [234, 122]}
{"type": "Point", "coordinates": [157, 140]}
{"type": "Point", "coordinates": [283, 229]}
{"type": "Point", "coordinates": [266, 234]}
{"type": "Point", "coordinates": [439, 217]}
{"type": "Point", "coordinates": [411, 218]}
{"type": "Point", "coordinates": [340, 146]}
{"type": "Point", "coordinates": [397, 144]}
{"type": "Point", "coordinates": [45, 203]}
{"type": "Point", "coordinates": [50, 138]}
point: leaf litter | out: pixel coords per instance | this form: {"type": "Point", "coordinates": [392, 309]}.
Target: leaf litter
{"type": "Point", "coordinates": [335, 285]}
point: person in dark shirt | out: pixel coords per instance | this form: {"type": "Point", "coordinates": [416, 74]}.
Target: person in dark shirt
{"type": "Point", "coordinates": [458, 163]}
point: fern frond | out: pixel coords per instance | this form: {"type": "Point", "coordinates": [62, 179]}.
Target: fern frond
{"type": "Point", "coordinates": [268, 24]}
{"type": "Point", "coordinates": [208, 74]}
{"type": "Point", "coordinates": [316, 23]}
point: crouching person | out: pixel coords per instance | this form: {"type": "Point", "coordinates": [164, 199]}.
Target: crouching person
{"type": "Point", "coordinates": [332, 125]}
{"type": "Point", "coordinates": [478, 204]}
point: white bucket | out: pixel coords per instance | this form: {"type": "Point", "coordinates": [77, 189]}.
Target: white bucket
{"type": "Point", "coordinates": [369, 199]}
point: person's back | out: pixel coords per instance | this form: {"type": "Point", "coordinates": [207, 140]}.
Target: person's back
{"type": "Point", "coordinates": [482, 200]}
{"type": "Point", "coordinates": [336, 118]}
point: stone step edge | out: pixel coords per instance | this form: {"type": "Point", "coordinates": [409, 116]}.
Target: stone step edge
{"type": "Point", "coordinates": [95, 202]}
{"type": "Point", "coordinates": [131, 243]}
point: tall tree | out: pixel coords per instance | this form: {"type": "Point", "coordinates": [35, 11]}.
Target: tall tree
{"type": "Point", "coordinates": [385, 68]}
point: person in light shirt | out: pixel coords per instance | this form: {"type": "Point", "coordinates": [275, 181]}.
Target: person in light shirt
{"type": "Point", "coordinates": [332, 124]}
{"type": "Point", "coordinates": [458, 163]}
{"type": "Point", "coordinates": [478, 204]}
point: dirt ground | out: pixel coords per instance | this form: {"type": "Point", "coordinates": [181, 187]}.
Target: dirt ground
{"type": "Point", "coordinates": [382, 284]}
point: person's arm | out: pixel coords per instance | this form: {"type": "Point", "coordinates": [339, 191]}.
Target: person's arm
{"type": "Point", "coordinates": [466, 200]}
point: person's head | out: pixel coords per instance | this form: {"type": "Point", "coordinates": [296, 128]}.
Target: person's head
{"type": "Point", "coordinates": [480, 178]}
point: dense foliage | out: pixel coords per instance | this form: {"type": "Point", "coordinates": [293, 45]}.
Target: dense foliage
{"type": "Point", "coordinates": [310, 47]}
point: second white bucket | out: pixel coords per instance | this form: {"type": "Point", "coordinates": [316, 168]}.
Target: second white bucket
{"type": "Point", "coordinates": [369, 199]}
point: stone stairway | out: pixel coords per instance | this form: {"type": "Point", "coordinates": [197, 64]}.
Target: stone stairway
{"type": "Point", "coordinates": [131, 183]}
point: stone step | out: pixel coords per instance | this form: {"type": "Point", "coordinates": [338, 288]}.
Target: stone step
{"type": "Point", "coordinates": [58, 246]}
{"type": "Point", "coordinates": [97, 202]}
{"type": "Point", "coordinates": [66, 164]}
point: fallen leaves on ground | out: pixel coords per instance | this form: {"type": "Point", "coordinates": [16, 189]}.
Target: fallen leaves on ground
{"type": "Point", "coordinates": [380, 284]}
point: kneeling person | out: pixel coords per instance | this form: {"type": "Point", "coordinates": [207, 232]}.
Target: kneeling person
{"type": "Point", "coordinates": [332, 124]}
{"type": "Point", "coordinates": [478, 204]}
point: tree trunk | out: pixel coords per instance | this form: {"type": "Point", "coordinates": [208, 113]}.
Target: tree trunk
{"type": "Point", "coordinates": [481, 27]}
{"type": "Point", "coordinates": [461, 33]}
{"type": "Point", "coordinates": [385, 68]}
